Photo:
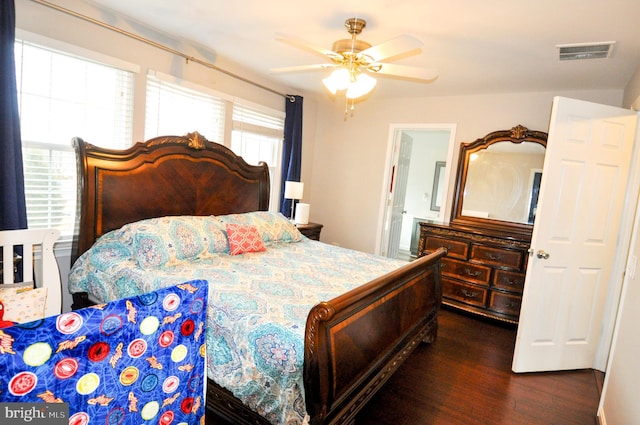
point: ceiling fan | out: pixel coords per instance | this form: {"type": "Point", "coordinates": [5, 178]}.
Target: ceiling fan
{"type": "Point", "coordinates": [355, 61]}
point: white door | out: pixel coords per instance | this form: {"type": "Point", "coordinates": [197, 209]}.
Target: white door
{"type": "Point", "coordinates": [575, 236]}
{"type": "Point", "coordinates": [399, 193]}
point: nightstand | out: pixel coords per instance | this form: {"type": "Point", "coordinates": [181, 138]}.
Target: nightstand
{"type": "Point", "coordinates": [311, 230]}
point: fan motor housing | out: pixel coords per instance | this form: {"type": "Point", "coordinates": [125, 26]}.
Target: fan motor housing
{"type": "Point", "coordinates": [348, 45]}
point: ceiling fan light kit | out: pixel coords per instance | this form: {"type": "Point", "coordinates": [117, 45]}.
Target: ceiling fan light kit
{"type": "Point", "coordinates": [356, 61]}
{"type": "Point", "coordinates": [361, 86]}
{"type": "Point", "coordinates": [354, 84]}
{"type": "Point", "coordinates": [337, 81]}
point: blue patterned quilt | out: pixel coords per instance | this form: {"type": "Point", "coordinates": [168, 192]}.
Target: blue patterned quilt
{"type": "Point", "coordinates": [127, 362]}
{"type": "Point", "coordinates": [258, 302]}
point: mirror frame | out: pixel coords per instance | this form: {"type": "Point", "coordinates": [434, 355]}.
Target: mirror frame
{"type": "Point", "coordinates": [518, 134]}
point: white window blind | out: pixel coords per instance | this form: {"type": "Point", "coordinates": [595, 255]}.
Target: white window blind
{"type": "Point", "coordinates": [257, 135]}
{"type": "Point", "coordinates": [175, 109]}
{"type": "Point", "coordinates": [61, 96]}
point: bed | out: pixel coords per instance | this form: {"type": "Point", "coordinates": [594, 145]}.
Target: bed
{"type": "Point", "coordinates": [352, 341]}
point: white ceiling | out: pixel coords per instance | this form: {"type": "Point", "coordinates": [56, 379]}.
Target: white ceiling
{"type": "Point", "coordinates": [491, 46]}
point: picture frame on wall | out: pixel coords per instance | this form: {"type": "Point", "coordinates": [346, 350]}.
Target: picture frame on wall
{"type": "Point", "coordinates": [438, 184]}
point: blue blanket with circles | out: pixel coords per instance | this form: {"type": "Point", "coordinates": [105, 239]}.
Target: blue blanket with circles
{"type": "Point", "coordinates": [131, 361]}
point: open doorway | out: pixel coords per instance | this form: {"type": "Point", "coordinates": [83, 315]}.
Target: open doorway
{"type": "Point", "coordinates": [416, 184]}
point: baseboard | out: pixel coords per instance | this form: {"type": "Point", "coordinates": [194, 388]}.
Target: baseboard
{"type": "Point", "coordinates": [600, 419]}
{"type": "Point", "coordinates": [599, 376]}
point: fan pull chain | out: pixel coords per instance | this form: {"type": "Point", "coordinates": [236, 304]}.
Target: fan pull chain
{"type": "Point", "coordinates": [346, 107]}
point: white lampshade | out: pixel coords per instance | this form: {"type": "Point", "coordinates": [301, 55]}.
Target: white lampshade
{"type": "Point", "coordinates": [302, 214]}
{"type": "Point", "coordinates": [338, 80]}
{"type": "Point", "coordinates": [293, 190]}
{"type": "Point", "coordinates": [356, 84]}
{"type": "Point", "coordinates": [364, 84]}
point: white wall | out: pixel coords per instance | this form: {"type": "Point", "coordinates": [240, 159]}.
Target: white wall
{"type": "Point", "coordinates": [632, 92]}
{"type": "Point", "coordinates": [619, 402]}
{"type": "Point", "coordinates": [349, 156]}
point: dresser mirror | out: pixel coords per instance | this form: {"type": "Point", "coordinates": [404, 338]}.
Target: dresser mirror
{"type": "Point", "coordinates": [498, 180]}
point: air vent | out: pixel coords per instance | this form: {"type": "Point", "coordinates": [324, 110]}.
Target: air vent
{"type": "Point", "coordinates": [568, 52]}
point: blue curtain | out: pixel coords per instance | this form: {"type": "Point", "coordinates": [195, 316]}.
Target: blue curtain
{"type": "Point", "coordinates": [292, 148]}
{"type": "Point", "coordinates": [13, 210]}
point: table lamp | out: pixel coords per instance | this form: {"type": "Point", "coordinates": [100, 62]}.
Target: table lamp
{"type": "Point", "coordinates": [293, 190]}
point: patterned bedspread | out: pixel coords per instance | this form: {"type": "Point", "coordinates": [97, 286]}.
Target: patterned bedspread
{"type": "Point", "coordinates": [258, 301]}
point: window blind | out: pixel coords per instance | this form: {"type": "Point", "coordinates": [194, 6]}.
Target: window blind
{"type": "Point", "coordinates": [257, 135]}
{"type": "Point", "coordinates": [173, 109]}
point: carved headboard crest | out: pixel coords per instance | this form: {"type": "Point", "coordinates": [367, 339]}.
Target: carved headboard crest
{"type": "Point", "coordinates": [196, 140]}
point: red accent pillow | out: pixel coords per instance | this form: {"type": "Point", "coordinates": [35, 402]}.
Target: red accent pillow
{"type": "Point", "coordinates": [244, 238]}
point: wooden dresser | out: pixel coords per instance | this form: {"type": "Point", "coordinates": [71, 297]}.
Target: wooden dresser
{"type": "Point", "coordinates": [482, 273]}
{"type": "Point", "coordinates": [492, 215]}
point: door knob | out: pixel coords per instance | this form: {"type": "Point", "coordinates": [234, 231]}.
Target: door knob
{"type": "Point", "coordinates": [542, 254]}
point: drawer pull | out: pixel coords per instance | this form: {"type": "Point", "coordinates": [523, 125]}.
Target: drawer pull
{"type": "Point", "coordinates": [468, 294]}
{"type": "Point", "coordinates": [494, 257]}
{"type": "Point", "coordinates": [472, 273]}
{"type": "Point", "coordinates": [512, 304]}
{"type": "Point", "coordinates": [511, 282]}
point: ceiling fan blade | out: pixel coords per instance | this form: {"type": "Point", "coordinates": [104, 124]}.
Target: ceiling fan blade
{"type": "Point", "coordinates": [303, 68]}
{"type": "Point", "coordinates": [303, 44]}
{"type": "Point", "coordinates": [404, 45]}
{"type": "Point", "coordinates": [403, 71]}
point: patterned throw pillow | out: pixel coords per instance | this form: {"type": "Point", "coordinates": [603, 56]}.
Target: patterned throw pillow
{"type": "Point", "coordinates": [22, 305]}
{"type": "Point", "coordinates": [244, 238]}
{"type": "Point", "coordinates": [273, 227]}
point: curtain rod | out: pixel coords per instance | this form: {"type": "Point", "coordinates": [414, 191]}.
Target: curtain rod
{"type": "Point", "coordinates": [160, 46]}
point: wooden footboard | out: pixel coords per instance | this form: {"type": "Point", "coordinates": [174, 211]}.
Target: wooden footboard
{"type": "Point", "coordinates": [357, 340]}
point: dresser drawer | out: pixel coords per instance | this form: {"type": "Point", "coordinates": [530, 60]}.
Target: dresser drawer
{"type": "Point", "coordinates": [469, 272]}
{"type": "Point", "coordinates": [456, 249]}
{"type": "Point", "coordinates": [509, 281]}
{"type": "Point", "coordinates": [468, 294]}
{"type": "Point", "coordinates": [505, 303]}
{"type": "Point", "coordinates": [496, 256]}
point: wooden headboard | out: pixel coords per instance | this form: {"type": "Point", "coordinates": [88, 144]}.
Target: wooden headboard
{"type": "Point", "coordinates": [164, 176]}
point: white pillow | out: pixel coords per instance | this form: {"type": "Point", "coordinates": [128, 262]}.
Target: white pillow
{"type": "Point", "coordinates": [22, 305]}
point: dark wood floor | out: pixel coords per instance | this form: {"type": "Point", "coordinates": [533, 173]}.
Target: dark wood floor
{"type": "Point", "coordinates": [465, 378]}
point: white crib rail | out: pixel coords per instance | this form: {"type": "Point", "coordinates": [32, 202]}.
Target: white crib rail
{"type": "Point", "coordinates": [46, 272]}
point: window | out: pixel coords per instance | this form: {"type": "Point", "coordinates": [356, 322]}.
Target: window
{"type": "Point", "coordinates": [177, 108]}
{"type": "Point", "coordinates": [257, 136]}
{"type": "Point", "coordinates": [65, 91]}
{"type": "Point", "coordinates": [62, 96]}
